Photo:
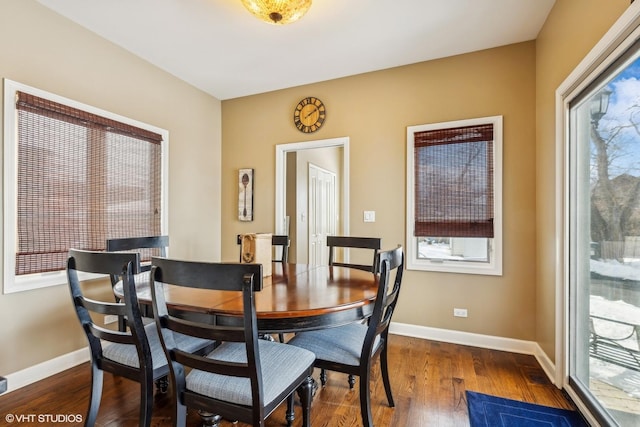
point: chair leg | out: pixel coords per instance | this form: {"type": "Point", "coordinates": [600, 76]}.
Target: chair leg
{"type": "Point", "coordinates": [305, 391]}
{"type": "Point", "coordinates": [323, 377]}
{"type": "Point", "coordinates": [95, 395]}
{"type": "Point", "coordinates": [385, 376]}
{"type": "Point", "coordinates": [365, 400]}
{"type": "Point", "coordinates": [290, 415]}
{"type": "Point", "coordinates": [209, 419]}
{"type": "Point", "coordinates": [352, 381]}
{"type": "Point", "coordinates": [146, 400]}
{"type": "Point", "coordinates": [162, 384]}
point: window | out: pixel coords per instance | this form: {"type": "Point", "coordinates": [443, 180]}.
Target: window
{"type": "Point", "coordinates": [454, 196]}
{"type": "Point", "coordinates": [74, 177]}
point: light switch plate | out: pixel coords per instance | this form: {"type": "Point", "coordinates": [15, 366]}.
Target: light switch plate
{"type": "Point", "coordinates": [369, 216]}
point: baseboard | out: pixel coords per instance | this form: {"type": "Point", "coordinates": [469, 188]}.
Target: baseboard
{"type": "Point", "coordinates": [43, 370]}
{"type": "Point", "coordinates": [478, 340]}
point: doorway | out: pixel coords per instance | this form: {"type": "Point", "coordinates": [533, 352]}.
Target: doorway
{"type": "Point", "coordinates": [601, 285]}
{"type": "Point", "coordinates": [323, 219]}
{"type": "Point", "coordinates": [292, 205]}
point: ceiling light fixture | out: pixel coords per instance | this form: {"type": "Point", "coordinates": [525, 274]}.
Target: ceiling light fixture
{"type": "Point", "coordinates": [278, 11]}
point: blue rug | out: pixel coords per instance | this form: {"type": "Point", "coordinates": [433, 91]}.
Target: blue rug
{"type": "Point", "coordinates": [491, 411]}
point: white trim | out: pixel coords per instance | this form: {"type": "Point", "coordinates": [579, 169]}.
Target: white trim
{"type": "Point", "coordinates": [618, 39]}
{"type": "Point", "coordinates": [494, 266]}
{"type": "Point", "coordinates": [281, 161]}
{"type": "Point", "coordinates": [45, 369]}
{"type": "Point", "coordinates": [582, 408]}
{"type": "Point", "coordinates": [12, 283]}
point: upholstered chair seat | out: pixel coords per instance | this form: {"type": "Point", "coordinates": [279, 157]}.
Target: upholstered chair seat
{"type": "Point", "coordinates": [128, 355]}
{"type": "Point", "coordinates": [281, 365]}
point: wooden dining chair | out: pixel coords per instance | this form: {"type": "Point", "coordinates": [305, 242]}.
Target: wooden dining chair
{"type": "Point", "coordinates": [245, 378]}
{"type": "Point", "coordinates": [279, 242]}
{"type": "Point", "coordinates": [147, 246]}
{"type": "Point", "coordinates": [135, 354]}
{"type": "Point", "coordinates": [352, 348]}
{"type": "Point", "coordinates": [367, 243]}
{"type": "Point", "coordinates": [372, 243]}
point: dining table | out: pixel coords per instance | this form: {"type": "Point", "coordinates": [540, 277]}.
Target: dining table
{"type": "Point", "coordinates": [294, 298]}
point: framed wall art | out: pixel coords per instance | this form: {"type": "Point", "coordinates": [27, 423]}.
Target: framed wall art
{"type": "Point", "coordinates": [245, 194]}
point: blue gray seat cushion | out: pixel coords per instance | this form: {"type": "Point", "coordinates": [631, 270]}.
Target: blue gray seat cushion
{"type": "Point", "coordinates": [128, 355]}
{"type": "Point", "coordinates": [342, 344]}
{"type": "Point", "coordinates": [280, 365]}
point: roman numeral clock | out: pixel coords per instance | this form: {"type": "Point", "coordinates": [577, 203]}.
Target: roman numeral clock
{"type": "Point", "coordinates": [309, 114]}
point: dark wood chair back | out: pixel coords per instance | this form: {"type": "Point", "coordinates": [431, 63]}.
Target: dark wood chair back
{"type": "Point", "coordinates": [372, 243]}
{"type": "Point", "coordinates": [279, 241]}
{"type": "Point", "coordinates": [391, 268]}
{"type": "Point", "coordinates": [124, 265]}
{"type": "Point", "coordinates": [244, 279]}
{"type": "Point", "coordinates": [148, 246]}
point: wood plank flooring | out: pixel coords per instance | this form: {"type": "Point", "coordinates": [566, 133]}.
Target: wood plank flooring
{"type": "Point", "coordinates": [428, 378]}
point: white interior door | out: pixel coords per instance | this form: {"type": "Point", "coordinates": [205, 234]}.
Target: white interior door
{"type": "Point", "coordinates": [322, 212]}
{"type": "Point", "coordinates": [281, 186]}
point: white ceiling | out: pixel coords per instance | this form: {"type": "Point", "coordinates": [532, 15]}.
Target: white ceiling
{"type": "Point", "coordinates": [219, 47]}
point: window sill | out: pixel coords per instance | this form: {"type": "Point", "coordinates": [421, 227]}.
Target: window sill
{"type": "Point", "coordinates": [13, 284]}
{"type": "Point", "coordinates": [461, 267]}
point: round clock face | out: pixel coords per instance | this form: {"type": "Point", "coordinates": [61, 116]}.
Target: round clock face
{"type": "Point", "coordinates": [309, 114]}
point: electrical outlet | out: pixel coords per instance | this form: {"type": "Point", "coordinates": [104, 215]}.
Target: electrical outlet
{"type": "Point", "coordinates": [460, 312]}
{"type": "Point", "coordinates": [110, 318]}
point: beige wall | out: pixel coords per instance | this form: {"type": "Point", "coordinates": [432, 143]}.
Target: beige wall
{"type": "Point", "coordinates": [41, 49]}
{"type": "Point", "coordinates": [571, 31]}
{"type": "Point", "coordinates": [374, 110]}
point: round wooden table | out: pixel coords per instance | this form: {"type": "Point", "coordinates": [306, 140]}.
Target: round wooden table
{"type": "Point", "coordinates": [296, 297]}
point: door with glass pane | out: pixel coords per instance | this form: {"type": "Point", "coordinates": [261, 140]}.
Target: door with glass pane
{"type": "Point", "coordinates": [604, 243]}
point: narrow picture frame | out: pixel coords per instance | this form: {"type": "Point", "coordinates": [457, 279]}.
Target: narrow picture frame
{"type": "Point", "coordinates": [245, 194]}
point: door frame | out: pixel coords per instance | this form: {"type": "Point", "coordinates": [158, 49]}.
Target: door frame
{"type": "Point", "coordinates": [616, 41]}
{"type": "Point", "coordinates": [281, 161]}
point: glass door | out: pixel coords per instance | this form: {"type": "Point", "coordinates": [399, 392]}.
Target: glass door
{"type": "Point", "coordinates": [604, 243]}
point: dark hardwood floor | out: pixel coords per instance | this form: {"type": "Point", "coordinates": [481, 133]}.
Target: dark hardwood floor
{"type": "Point", "coordinates": [429, 380]}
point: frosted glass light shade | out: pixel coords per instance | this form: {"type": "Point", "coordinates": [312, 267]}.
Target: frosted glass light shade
{"type": "Point", "coordinates": [277, 11]}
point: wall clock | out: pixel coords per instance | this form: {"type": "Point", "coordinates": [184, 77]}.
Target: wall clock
{"type": "Point", "coordinates": [309, 114]}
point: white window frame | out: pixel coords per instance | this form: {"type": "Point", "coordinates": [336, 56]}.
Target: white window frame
{"type": "Point", "coordinates": [13, 283]}
{"type": "Point", "coordinates": [494, 266]}
{"type": "Point", "coordinates": [618, 39]}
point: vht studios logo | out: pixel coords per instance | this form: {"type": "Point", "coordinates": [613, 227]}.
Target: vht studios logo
{"type": "Point", "coordinates": [43, 418]}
